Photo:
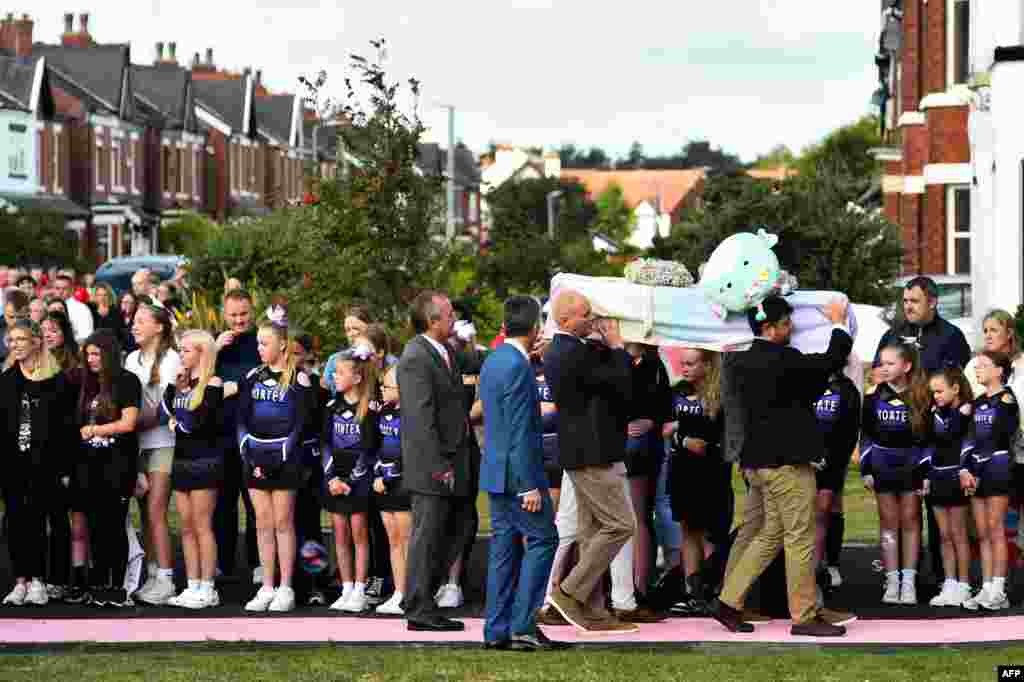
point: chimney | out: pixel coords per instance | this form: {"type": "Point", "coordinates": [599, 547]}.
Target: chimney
{"type": "Point", "coordinates": [246, 71]}
{"type": "Point", "coordinates": [83, 23]}
{"type": "Point", "coordinates": [69, 23]}
{"type": "Point", "coordinates": [195, 60]}
{"type": "Point", "coordinates": [159, 53]}
{"type": "Point", "coordinates": [172, 52]}
{"type": "Point", "coordinates": [259, 77]}
{"type": "Point", "coordinates": [22, 36]}
{"type": "Point", "coordinates": [209, 57]}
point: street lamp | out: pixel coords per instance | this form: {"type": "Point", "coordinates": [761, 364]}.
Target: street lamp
{"type": "Point", "coordinates": [552, 197]}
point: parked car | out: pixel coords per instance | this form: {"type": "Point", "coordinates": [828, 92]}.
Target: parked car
{"type": "Point", "coordinates": [117, 272]}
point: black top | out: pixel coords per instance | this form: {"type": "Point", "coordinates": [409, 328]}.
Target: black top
{"type": "Point", "coordinates": [122, 447]}
{"type": "Point", "coordinates": [593, 390]}
{"type": "Point", "coordinates": [199, 433]}
{"type": "Point", "coordinates": [113, 321]}
{"type": "Point", "coordinates": [777, 387]}
{"type": "Point", "coordinates": [838, 415]}
{"type": "Point", "coordinates": [234, 361]}
{"type": "Point", "coordinates": [349, 444]}
{"type": "Point", "coordinates": [53, 432]}
{"type": "Point", "coordinates": [652, 392]}
{"type": "Point", "coordinates": [688, 410]}
{"type": "Point", "coordinates": [947, 430]}
{"type": "Point", "coordinates": [996, 420]}
{"type": "Point", "coordinates": [940, 343]}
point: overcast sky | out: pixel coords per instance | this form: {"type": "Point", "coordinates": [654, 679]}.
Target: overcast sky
{"type": "Point", "coordinates": [745, 74]}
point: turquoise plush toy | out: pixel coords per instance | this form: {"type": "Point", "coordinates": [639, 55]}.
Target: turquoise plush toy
{"type": "Point", "coordinates": [741, 272]}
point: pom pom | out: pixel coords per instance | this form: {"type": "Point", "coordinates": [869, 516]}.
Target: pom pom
{"type": "Point", "coordinates": [314, 558]}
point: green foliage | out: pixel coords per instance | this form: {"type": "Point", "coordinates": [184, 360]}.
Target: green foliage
{"type": "Point", "coordinates": [824, 240]}
{"type": "Point", "coordinates": [37, 238]}
{"type": "Point", "coordinates": [779, 155]}
{"type": "Point", "coordinates": [521, 257]}
{"type": "Point", "coordinates": [844, 150]}
{"type": "Point", "coordinates": [614, 218]}
{"type": "Point", "coordinates": [188, 236]}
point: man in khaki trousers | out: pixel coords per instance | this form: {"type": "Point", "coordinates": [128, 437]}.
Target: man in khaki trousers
{"type": "Point", "coordinates": [778, 386]}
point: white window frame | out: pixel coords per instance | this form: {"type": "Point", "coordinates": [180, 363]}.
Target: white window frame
{"type": "Point", "coordinates": [951, 234]}
{"type": "Point", "coordinates": [57, 189]}
{"type": "Point", "coordinates": [100, 187]}
{"type": "Point", "coordinates": [195, 172]}
{"type": "Point", "coordinates": [951, 42]}
{"type": "Point", "coordinates": [116, 173]}
{"type": "Point", "coordinates": [182, 192]}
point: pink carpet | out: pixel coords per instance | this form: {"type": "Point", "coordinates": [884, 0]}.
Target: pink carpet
{"type": "Point", "coordinates": [362, 630]}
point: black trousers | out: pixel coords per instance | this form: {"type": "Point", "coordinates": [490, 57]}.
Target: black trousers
{"type": "Point", "coordinates": [108, 538]}
{"type": "Point", "coordinates": [442, 527]}
{"type": "Point", "coordinates": [225, 517]}
{"type": "Point", "coordinates": [307, 527]}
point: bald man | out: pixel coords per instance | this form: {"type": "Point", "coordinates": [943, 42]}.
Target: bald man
{"type": "Point", "coordinates": [591, 384]}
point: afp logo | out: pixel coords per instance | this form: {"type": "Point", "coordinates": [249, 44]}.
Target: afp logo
{"type": "Point", "coordinates": [1010, 672]}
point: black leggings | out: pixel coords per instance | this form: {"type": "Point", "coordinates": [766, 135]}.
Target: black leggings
{"type": "Point", "coordinates": [108, 539]}
{"type": "Point", "coordinates": [26, 530]}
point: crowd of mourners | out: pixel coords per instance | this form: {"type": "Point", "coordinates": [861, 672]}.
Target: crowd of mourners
{"type": "Point", "coordinates": [105, 398]}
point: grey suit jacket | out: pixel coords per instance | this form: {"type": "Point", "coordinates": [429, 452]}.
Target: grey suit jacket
{"type": "Point", "coordinates": [435, 435]}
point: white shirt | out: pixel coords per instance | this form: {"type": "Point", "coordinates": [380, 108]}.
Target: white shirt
{"type": "Point", "coordinates": [80, 319]}
{"type": "Point", "coordinates": [439, 348]}
{"type": "Point", "coordinates": [160, 436]}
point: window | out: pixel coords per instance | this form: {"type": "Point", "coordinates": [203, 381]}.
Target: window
{"type": "Point", "coordinates": [100, 165]}
{"type": "Point", "coordinates": [117, 178]}
{"type": "Point", "coordinates": [958, 27]}
{"type": "Point", "coordinates": [958, 212]}
{"type": "Point", "coordinates": [17, 157]}
{"type": "Point", "coordinates": [165, 167]}
{"type": "Point", "coordinates": [59, 154]}
{"type": "Point", "coordinates": [179, 156]}
{"type": "Point", "coordinates": [195, 172]}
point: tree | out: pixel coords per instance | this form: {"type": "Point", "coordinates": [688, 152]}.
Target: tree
{"type": "Point", "coordinates": [614, 218]}
{"type": "Point", "coordinates": [824, 239]}
{"type": "Point", "coordinates": [572, 156]}
{"type": "Point", "coordinates": [700, 154]}
{"type": "Point", "coordinates": [779, 155]}
{"type": "Point", "coordinates": [845, 150]}
{"type": "Point", "coordinates": [521, 257]}
{"type": "Point", "coordinates": [377, 233]}
{"type": "Point", "coordinates": [188, 236]}
{"type": "Point", "coordinates": [635, 158]}
{"type": "Point", "coordinates": [37, 238]}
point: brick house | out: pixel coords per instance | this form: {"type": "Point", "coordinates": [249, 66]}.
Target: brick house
{"type": "Point", "coordinates": [226, 112]}
{"type": "Point", "coordinates": [174, 146]}
{"type": "Point", "coordinates": [279, 122]}
{"type": "Point", "coordinates": [35, 174]}
{"type": "Point", "coordinates": [924, 69]}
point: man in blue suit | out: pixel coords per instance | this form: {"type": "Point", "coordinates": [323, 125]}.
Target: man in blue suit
{"type": "Point", "coordinates": [512, 473]}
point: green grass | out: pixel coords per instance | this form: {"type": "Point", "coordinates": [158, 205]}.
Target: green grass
{"type": "Point", "coordinates": [715, 664]}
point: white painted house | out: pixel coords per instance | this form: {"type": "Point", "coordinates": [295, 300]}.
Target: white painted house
{"type": "Point", "coordinates": [996, 132]}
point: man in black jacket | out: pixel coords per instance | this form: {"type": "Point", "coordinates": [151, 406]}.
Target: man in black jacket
{"type": "Point", "coordinates": [778, 386]}
{"type": "Point", "coordinates": [592, 387]}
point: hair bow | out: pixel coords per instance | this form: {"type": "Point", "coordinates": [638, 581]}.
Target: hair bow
{"type": "Point", "coordinates": [360, 352]}
{"type": "Point", "coordinates": [761, 316]}
{"type": "Point", "coordinates": [277, 315]}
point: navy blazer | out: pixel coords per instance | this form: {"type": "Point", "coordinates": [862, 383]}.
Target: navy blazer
{"type": "Point", "coordinates": [513, 460]}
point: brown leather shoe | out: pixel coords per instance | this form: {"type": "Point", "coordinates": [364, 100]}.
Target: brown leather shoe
{"type": "Point", "coordinates": [833, 617]}
{"type": "Point", "coordinates": [598, 624]}
{"type": "Point", "coordinates": [640, 614]}
{"type": "Point", "coordinates": [547, 615]}
{"type": "Point", "coordinates": [730, 618]}
{"type": "Point", "coordinates": [572, 610]}
{"type": "Point", "coordinates": [817, 627]}
{"type": "Point", "coordinates": [755, 618]}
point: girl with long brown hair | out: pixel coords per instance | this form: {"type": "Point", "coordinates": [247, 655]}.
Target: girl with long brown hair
{"type": "Point", "coordinates": [104, 476]}
{"type": "Point", "coordinates": [893, 428]}
{"type": "Point", "coordinates": [156, 363]}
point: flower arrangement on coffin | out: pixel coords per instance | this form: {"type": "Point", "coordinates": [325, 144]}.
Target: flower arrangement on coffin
{"type": "Point", "coordinates": [659, 273]}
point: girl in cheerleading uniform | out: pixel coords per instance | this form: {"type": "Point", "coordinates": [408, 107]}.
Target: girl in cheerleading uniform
{"type": "Point", "coordinates": [194, 406]}
{"type": "Point", "coordinates": [349, 445]}
{"type": "Point", "coordinates": [700, 481]}
{"type": "Point", "coordinates": [273, 405]}
{"type": "Point", "coordinates": [37, 435]}
{"type": "Point", "coordinates": [393, 502]}
{"type": "Point", "coordinates": [990, 477]}
{"type": "Point", "coordinates": [949, 423]}
{"type": "Point", "coordinates": [549, 419]}
{"type": "Point", "coordinates": [892, 430]}
{"type": "Point", "coordinates": [838, 412]}
{"type": "Point", "coordinates": [104, 477]}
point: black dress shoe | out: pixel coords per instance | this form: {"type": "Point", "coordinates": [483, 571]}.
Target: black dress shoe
{"type": "Point", "coordinates": [496, 645]}
{"type": "Point", "coordinates": [551, 644]}
{"type": "Point", "coordinates": [435, 624]}
{"type": "Point", "coordinates": [730, 618]}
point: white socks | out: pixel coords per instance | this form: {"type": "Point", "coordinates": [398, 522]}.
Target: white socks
{"type": "Point", "coordinates": [999, 585]}
{"type": "Point", "coordinates": [165, 574]}
{"type": "Point", "coordinates": [193, 584]}
{"type": "Point", "coordinates": [909, 576]}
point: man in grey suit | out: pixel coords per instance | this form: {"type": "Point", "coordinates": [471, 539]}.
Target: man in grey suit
{"type": "Point", "coordinates": [435, 458]}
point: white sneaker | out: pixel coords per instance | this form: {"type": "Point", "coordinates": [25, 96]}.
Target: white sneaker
{"type": "Point", "coordinates": [262, 600]}
{"type": "Point", "coordinates": [835, 576]}
{"type": "Point", "coordinates": [140, 593]}
{"type": "Point", "coordinates": [257, 575]}
{"type": "Point", "coordinates": [451, 598]}
{"type": "Point", "coordinates": [392, 607]}
{"type": "Point", "coordinates": [892, 592]}
{"type": "Point", "coordinates": [284, 600]}
{"type": "Point", "coordinates": [963, 593]}
{"type": "Point", "coordinates": [908, 594]}
{"type": "Point", "coordinates": [198, 599]}
{"type": "Point", "coordinates": [996, 601]}
{"type": "Point", "coordinates": [158, 594]}
{"type": "Point", "coordinates": [16, 597]}
{"type": "Point", "coordinates": [180, 598]}
{"type": "Point", "coordinates": [949, 596]}
{"type": "Point", "coordinates": [340, 602]}
{"type": "Point", "coordinates": [357, 602]}
{"type": "Point", "coordinates": [973, 603]}
{"type": "Point", "coordinates": [37, 594]}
